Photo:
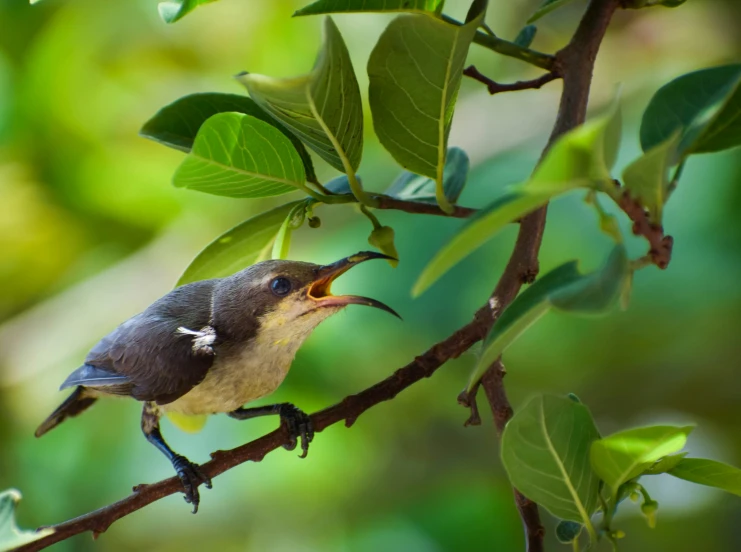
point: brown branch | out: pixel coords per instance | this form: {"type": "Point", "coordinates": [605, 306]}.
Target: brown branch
{"type": "Point", "coordinates": [495, 87]}
{"type": "Point", "coordinates": [574, 63]}
{"type": "Point", "coordinates": [421, 208]}
{"type": "Point", "coordinates": [660, 245]}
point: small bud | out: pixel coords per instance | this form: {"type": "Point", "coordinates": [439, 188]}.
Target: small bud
{"type": "Point", "coordinates": [635, 496]}
{"type": "Point", "coordinates": [649, 509]}
{"type": "Point", "coordinates": [618, 534]}
{"type": "Point", "coordinates": [382, 238]}
{"type": "Point", "coordinates": [315, 222]}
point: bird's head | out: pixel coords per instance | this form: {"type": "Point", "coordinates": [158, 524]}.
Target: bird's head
{"type": "Point", "coordinates": [292, 294]}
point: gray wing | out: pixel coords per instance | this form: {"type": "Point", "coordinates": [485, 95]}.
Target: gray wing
{"type": "Point", "coordinates": [158, 355]}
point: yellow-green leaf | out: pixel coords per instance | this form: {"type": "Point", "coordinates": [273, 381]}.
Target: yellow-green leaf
{"type": "Point", "coordinates": [10, 536]}
{"type": "Point", "coordinates": [323, 108]}
{"type": "Point", "coordinates": [415, 72]}
{"type": "Point", "coordinates": [240, 247]}
{"type": "Point", "coordinates": [237, 155]}
{"type": "Point", "coordinates": [710, 473]}
{"type": "Point", "coordinates": [545, 450]}
{"type": "Point", "coordinates": [627, 454]}
{"type": "Point", "coordinates": [386, 6]}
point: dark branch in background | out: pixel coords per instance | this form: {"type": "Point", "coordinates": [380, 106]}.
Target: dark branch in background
{"type": "Point", "coordinates": [495, 88]}
{"type": "Point", "coordinates": [574, 63]}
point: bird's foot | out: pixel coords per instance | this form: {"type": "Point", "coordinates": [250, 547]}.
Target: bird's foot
{"type": "Point", "coordinates": [299, 424]}
{"type": "Point", "coordinates": [191, 476]}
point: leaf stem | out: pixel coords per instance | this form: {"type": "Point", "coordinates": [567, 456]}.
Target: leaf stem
{"type": "Point", "coordinates": [373, 218]}
{"type": "Point", "coordinates": [510, 49]}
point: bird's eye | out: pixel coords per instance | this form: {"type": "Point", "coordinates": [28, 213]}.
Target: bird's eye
{"type": "Point", "coordinates": [280, 286]}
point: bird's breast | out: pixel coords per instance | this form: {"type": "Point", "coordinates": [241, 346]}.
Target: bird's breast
{"type": "Point", "coordinates": [240, 375]}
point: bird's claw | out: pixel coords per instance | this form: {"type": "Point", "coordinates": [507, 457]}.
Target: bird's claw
{"type": "Point", "coordinates": [191, 476]}
{"type": "Point", "coordinates": [299, 424]}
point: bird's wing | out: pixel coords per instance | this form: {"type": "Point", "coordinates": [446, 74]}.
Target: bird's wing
{"type": "Point", "coordinates": [158, 355]}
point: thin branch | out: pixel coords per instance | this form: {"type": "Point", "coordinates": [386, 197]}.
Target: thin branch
{"type": "Point", "coordinates": [575, 63]}
{"type": "Point", "coordinates": [422, 208]}
{"type": "Point", "coordinates": [660, 245]}
{"type": "Point", "coordinates": [495, 88]}
{"type": "Point", "coordinates": [510, 49]}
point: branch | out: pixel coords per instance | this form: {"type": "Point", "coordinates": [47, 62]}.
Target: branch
{"type": "Point", "coordinates": [421, 208]}
{"type": "Point", "coordinates": [510, 49]}
{"type": "Point", "coordinates": [574, 63]}
{"type": "Point", "coordinates": [660, 245]}
{"type": "Point", "coordinates": [495, 87]}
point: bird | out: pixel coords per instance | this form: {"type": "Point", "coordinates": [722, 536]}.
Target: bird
{"type": "Point", "coordinates": [211, 347]}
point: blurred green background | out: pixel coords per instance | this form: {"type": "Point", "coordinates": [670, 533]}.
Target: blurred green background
{"type": "Point", "coordinates": [91, 232]}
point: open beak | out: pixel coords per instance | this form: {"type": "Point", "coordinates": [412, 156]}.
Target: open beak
{"type": "Point", "coordinates": [319, 290]}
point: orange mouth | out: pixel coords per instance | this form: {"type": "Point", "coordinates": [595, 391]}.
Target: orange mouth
{"type": "Point", "coordinates": [320, 290]}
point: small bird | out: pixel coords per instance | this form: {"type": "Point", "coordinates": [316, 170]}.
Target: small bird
{"type": "Point", "coordinates": [210, 347]}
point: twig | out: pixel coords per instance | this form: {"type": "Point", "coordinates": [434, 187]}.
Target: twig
{"type": "Point", "coordinates": [495, 88]}
{"type": "Point", "coordinates": [660, 245]}
{"type": "Point", "coordinates": [510, 49]}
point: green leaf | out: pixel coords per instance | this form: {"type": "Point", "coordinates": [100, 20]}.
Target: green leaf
{"type": "Point", "coordinates": [704, 106]}
{"type": "Point", "coordinates": [665, 464]}
{"type": "Point", "coordinates": [564, 288]}
{"type": "Point", "coordinates": [545, 450]}
{"type": "Point", "coordinates": [547, 7]}
{"type": "Point", "coordinates": [627, 454]}
{"type": "Point", "coordinates": [237, 155]}
{"type": "Point", "coordinates": [414, 187]}
{"type": "Point", "coordinates": [175, 10]}
{"type": "Point", "coordinates": [710, 473]}
{"type": "Point", "coordinates": [293, 221]}
{"type": "Point", "coordinates": [646, 177]}
{"type": "Point", "coordinates": [177, 124]}
{"type": "Point", "coordinates": [340, 6]}
{"type": "Point", "coordinates": [240, 247]}
{"type": "Point", "coordinates": [323, 109]}
{"type": "Point", "coordinates": [588, 152]}
{"type": "Point", "coordinates": [415, 72]}
{"type": "Point", "coordinates": [526, 36]}
{"type": "Point", "coordinates": [10, 536]}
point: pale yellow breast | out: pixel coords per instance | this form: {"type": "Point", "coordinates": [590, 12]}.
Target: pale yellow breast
{"type": "Point", "coordinates": [252, 373]}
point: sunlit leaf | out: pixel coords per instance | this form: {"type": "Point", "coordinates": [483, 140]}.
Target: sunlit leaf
{"type": "Point", "coordinates": [414, 187]}
{"type": "Point", "coordinates": [10, 536]}
{"type": "Point", "coordinates": [323, 109]}
{"type": "Point", "coordinates": [177, 124]}
{"type": "Point", "coordinates": [547, 7]}
{"type": "Point", "coordinates": [174, 10]}
{"type": "Point", "coordinates": [588, 152]}
{"type": "Point", "coordinates": [545, 450]}
{"type": "Point", "coordinates": [237, 155]}
{"type": "Point", "coordinates": [293, 221]}
{"type": "Point", "coordinates": [646, 177]}
{"type": "Point", "coordinates": [665, 464]}
{"type": "Point", "coordinates": [240, 247]}
{"type": "Point", "coordinates": [339, 6]}
{"type": "Point", "coordinates": [710, 473]}
{"type": "Point", "coordinates": [704, 106]}
{"type": "Point", "coordinates": [526, 36]}
{"type": "Point", "coordinates": [625, 455]}
{"type": "Point", "coordinates": [415, 72]}
{"type": "Point", "coordinates": [565, 289]}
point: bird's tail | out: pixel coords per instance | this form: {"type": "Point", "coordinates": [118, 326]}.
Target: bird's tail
{"type": "Point", "coordinates": [79, 401]}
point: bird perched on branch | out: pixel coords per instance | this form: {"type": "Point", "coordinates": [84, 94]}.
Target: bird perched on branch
{"type": "Point", "coordinates": [211, 347]}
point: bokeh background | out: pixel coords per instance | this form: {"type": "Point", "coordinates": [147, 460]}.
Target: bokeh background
{"type": "Point", "coordinates": [91, 232]}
